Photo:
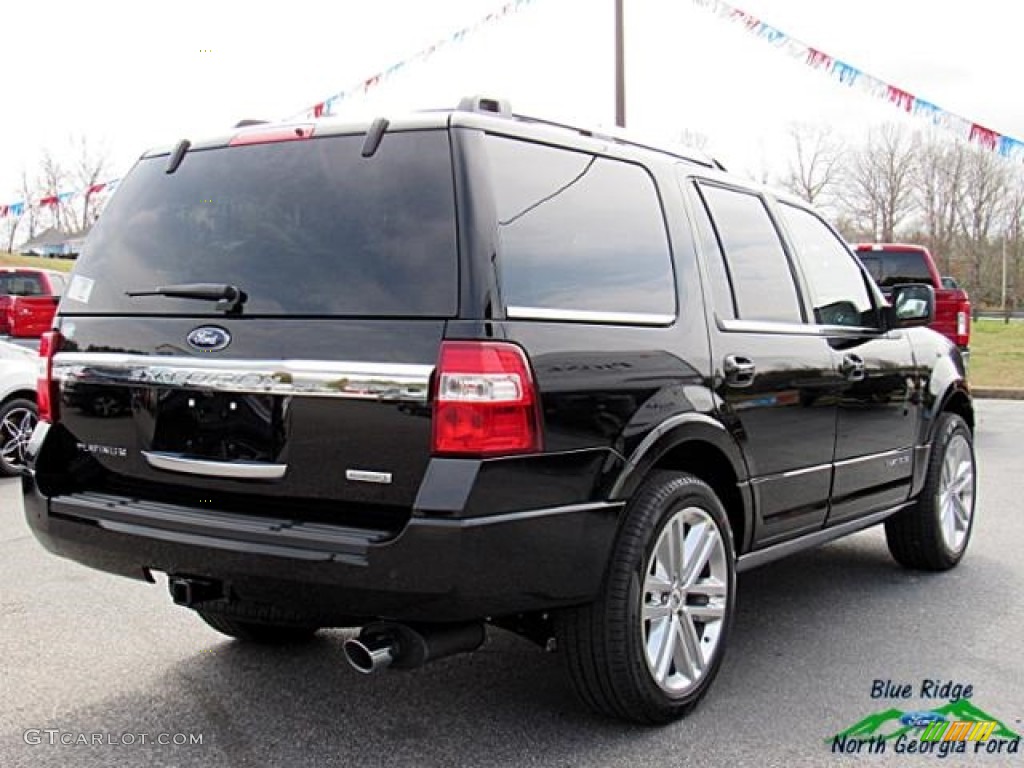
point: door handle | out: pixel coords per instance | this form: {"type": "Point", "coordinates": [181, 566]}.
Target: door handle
{"type": "Point", "coordinates": [739, 371]}
{"type": "Point", "coordinates": [852, 367]}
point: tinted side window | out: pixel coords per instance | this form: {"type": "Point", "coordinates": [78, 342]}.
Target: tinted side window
{"type": "Point", "coordinates": [721, 290]}
{"type": "Point", "coordinates": [759, 271]}
{"type": "Point", "coordinates": [579, 232]}
{"type": "Point", "coordinates": [836, 283]}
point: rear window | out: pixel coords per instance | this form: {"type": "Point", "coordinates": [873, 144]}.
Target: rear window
{"type": "Point", "coordinates": [890, 268]}
{"type": "Point", "coordinates": [21, 284]}
{"type": "Point", "coordinates": [303, 227]}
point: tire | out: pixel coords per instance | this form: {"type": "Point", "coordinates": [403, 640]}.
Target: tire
{"type": "Point", "coordinates": [621, 650]}
{"type": "Point", "coordinates": [260, 624]}
{"type": "Point", "coordinates": [933, 533]}
{"type": "Point", "coordinates": [18, 418]}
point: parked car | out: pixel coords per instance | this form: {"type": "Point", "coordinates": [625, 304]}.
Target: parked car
{"type": "Point", "coordinates": [461, 368]}
{"type": "Point", "coordinates": [18, 415]}
{"type": "Point", "coordinates": [892, 264]}
{"type": "Point", "coordinates": [28, 300]}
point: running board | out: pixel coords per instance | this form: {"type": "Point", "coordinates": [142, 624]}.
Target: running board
{"type": "Point", "coordinates": [787, 548]}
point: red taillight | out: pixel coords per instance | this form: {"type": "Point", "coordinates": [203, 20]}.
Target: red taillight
{"type": "Point", "coordinates": [271, 135]}
{"type": "Point", "coordinates": [47, 388]}
{"type": "Point", "coordinates": [485, 401]}
{"type": "Point", "coordinates": [963, 324]}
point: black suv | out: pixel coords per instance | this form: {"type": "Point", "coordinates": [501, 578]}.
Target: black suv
{"type": "Point", "coordinates": [464, 368]}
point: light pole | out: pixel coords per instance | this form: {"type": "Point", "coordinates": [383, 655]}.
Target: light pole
{"type": "Point", "coordinates": [620, 68]}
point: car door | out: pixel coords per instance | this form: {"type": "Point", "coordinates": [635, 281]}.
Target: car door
{"type": "Point", "coordinates": [878, 406]}
{"type": "Point", "coordinates": [773, 375]}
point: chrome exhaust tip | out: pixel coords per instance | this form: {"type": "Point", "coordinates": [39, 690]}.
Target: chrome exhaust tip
{"type": "Point", "coordinates": [369, 655]}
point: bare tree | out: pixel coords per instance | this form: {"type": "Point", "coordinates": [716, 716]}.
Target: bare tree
{"type": "Point", "coordinates": [982, 206]}
{"type": "Point", "coordinates": [90, 166]}
{"type": "Point", "coordinates": [52, 177]}
{"type": "Point", "coordinates": [937, 177]}
{"type": "Point", "coordinates": [878, 191]}
{"type": "Point", "coordinates": [815, 165]}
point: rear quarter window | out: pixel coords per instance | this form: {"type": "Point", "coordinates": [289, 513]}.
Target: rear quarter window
{"type": "Point", "coordinates": [579, 233]}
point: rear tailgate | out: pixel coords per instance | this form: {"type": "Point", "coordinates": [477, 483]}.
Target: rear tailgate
{"type": "Point", "coordinates": [314, 395]}
{"type": "Point", "coordinates": [30, 316]}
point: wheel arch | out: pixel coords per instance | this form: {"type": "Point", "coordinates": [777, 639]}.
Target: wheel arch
{"type": "Point", "coordinates": [19, 394]}
{"type": "Point", "coordinates": [701, 446]}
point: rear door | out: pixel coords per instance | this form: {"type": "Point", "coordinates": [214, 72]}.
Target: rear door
{"type": "Point", "coordinates": [315, 389]}
{"type": "Point", "coordinates": [773, 374]}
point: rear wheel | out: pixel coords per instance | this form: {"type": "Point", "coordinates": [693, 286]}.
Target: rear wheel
{"type": "Point", "coordinates": [649, 647]}
{"type": "Point", "coordinates": [933, 533]}
{"type": "Point", "coordinates": [262, 624]}
{"type": "Point", "coordinates": [18, 418]}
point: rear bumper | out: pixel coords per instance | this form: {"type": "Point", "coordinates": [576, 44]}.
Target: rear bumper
{"type": "Point", "coordinates": [433, 570]}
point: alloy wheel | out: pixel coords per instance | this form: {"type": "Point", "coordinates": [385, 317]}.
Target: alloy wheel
{"type": "Point", "coordinates": [956, 493]}
{"type": "Point", "coordinates": [684, 600]}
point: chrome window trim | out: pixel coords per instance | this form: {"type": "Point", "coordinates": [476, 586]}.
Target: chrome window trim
{"type": "Point", "coordinates": [588, 316]}
{"type": "Point", "coordinates": [794, 329]}
{"type": "Point", "coordinates": [306, 378]}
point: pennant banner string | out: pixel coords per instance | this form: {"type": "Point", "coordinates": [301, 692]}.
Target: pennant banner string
{"type": "Point", "coordinates": [849, 75]}
{"type": "Point", "coordinates": [326, 107]}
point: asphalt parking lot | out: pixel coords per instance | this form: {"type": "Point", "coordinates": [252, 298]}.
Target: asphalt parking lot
{"type": "Point", "coordinates": [88, 654]}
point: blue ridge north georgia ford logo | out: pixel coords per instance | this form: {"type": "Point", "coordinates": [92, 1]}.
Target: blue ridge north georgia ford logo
{"type": "Point", "coordinates": [209, 338]}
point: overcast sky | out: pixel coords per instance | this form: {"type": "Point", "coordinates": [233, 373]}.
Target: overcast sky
{"type": "Point", "coordinates": [130, 75]}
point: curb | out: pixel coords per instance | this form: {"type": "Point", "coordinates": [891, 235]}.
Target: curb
{"type": "Point", "coordinates": [997, 393]}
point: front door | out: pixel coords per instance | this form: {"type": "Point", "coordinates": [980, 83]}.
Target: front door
{"type": "Point", "coordinates": [878, 408]}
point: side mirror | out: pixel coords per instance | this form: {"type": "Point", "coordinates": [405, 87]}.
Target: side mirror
{"type": "Point", "coordinates": [911, 305]}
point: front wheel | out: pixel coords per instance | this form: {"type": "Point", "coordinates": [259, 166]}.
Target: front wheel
{"type": "Point", "coordinates": [932, 534]}
{"type": "Point", "coordinates": [649, 647]}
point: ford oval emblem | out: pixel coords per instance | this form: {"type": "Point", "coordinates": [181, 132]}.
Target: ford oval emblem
{"type": "Point", "coordinates": [209, 338]}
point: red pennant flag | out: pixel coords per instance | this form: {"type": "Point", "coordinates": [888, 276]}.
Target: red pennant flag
{"type": "Point", "coordinates": [901, 99]}
{"type": "Point", "coordinates": [94, 189]}
{"type": "Point", "coordinates": [3, 211]}
{"type": "Point", "coordinates": [818, 60]}
{"type": "Point", "coordinates": [49, 201]}
{"type": "Point", "coordinates": [986, 137]}
{"type": "Point", "coordinates": [318, 110]}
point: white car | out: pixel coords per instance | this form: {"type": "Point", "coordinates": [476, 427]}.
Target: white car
{"type": "Point", "coordinates": [18, 416]}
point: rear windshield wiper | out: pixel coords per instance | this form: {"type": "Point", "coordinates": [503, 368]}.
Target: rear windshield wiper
{"type": "Point", "coordinates": [228, 297]}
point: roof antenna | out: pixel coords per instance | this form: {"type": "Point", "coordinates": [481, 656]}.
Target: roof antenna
{"type": "Point", "coordinates": [177, 156]}
{"type": "Point", "coordinates": [374, 135]}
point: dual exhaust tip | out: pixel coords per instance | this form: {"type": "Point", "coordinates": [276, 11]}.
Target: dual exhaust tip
{"type": "Point", "coordinates": [402, 646]}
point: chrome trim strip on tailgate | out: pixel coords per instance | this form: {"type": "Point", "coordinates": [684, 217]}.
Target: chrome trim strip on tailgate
{"type": "Point", "coordinates": [309, 378]}
{"type": "Point", "coordinates": [237, 470]}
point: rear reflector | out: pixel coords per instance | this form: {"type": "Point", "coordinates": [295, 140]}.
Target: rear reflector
{"type": "Point", "coordinates": [485, 401]}
{"type": "Point", "coordinates": [47, 389]}
{"type": "Point", "coordinates": [271, 135]}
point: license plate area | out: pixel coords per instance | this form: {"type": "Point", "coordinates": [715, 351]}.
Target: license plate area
{"type": "Point", "coordinates": [221, 426]}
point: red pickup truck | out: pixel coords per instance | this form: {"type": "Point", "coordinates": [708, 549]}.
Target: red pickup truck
{"type": "Point", "coordinates": [28, 300]}
{"type": "Point", "coordinates": [894, 263]}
